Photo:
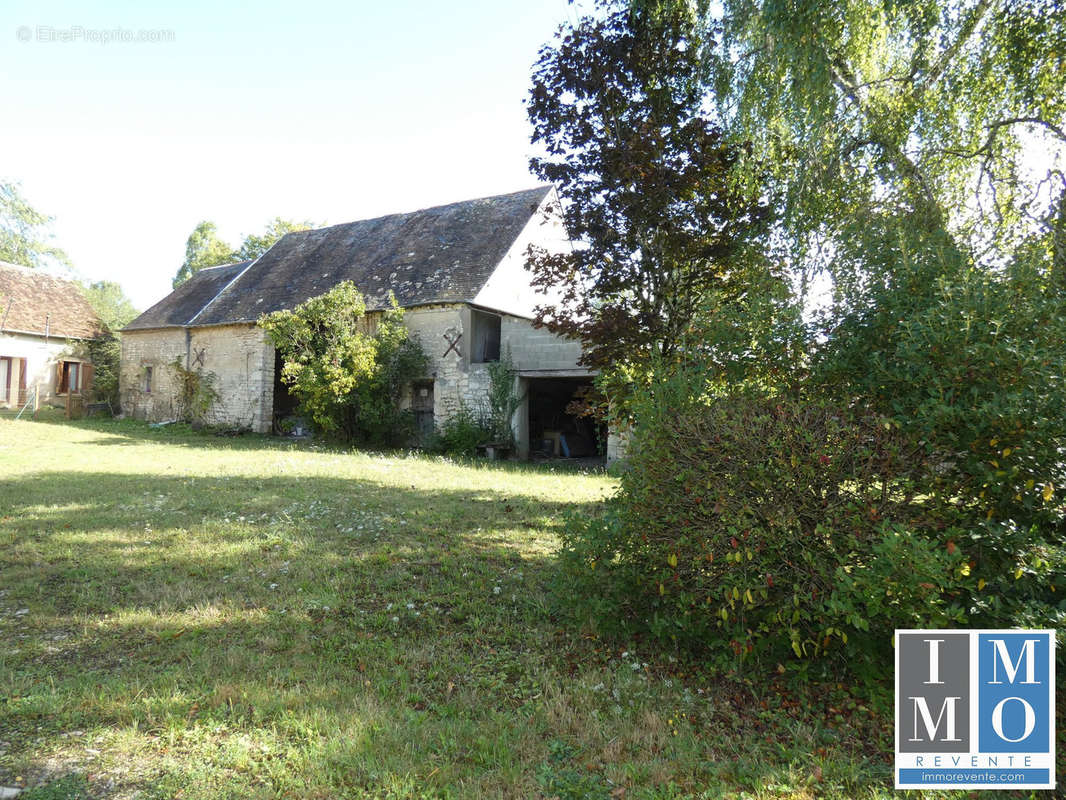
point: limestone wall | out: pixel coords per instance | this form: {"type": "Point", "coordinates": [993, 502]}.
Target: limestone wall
{"type": "Point", "coordinates": [240, 357]}
{"type": "Point", "coordinates": [242, 360]}
{"type": "Point", "coordinates": [437, 327]}
{"type": "Point", "coordinates": [458, 381]}
{"type": "Point", "coordinates": [153, 400]}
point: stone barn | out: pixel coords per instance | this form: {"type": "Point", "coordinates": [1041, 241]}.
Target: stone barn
{"type": "Point", "coordinates": [456, 270]}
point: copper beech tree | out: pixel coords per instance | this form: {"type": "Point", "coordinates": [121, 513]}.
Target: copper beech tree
{"type": "Point", "coordinates": [646, 182]}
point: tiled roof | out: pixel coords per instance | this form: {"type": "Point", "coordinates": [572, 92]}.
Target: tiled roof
{"type": "Point", "coordinates": [437, 255]}
{"type": "Point", "coordinates": [180, 306]}
{"type": "Point", "coordinates": [33, 301]}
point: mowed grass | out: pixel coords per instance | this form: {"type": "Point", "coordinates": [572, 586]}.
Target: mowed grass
{"type": "Point", "coordinates": [188, 616]}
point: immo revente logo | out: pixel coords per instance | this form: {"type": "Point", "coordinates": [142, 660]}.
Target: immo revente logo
{"type": "Point", "coordinates": [975, 709]}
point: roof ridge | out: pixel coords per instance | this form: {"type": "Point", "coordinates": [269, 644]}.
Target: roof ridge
{"type": "Point", "coordinates": [220, 266]}
{"type": "Point", "coordinates": [247, 266]}
{"type": "Point", "coordinates": [47, 272]}
{"type": "Point", "coordinates": [542, 187]}
{"type": "Point", "coordinates": [13, 265]}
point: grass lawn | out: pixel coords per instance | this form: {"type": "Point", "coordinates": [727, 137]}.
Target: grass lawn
{"type": "Point", "coordinates": [196, 617]}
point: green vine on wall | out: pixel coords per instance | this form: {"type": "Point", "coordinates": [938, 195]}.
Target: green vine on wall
{"type": "Point", "coordinates": [504, 399]}
{"type": "Point", "coordinates": [196, 392]}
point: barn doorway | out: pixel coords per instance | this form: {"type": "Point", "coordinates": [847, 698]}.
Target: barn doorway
{"type": "Point", "coordinates": [555, 431]}
{"type": "Point", "coordinates": [285, 404]}
{"type": "Point", "coordinates": [422, 406]}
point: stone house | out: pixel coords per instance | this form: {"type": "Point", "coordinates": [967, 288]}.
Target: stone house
{"type": "Point", "coordinates": [44, 320]}
{"type": "Point", "coordinates": [456, 270]}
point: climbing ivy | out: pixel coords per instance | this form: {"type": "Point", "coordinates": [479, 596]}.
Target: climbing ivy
{"type": "Point", "coordinates": [196, 392]}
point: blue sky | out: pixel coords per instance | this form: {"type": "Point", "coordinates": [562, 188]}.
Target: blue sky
{"type": "Point", "coordinates": [321, 110]}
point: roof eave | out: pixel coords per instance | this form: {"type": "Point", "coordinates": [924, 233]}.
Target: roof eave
{"type": "Point", "coordinates": [49, 335]}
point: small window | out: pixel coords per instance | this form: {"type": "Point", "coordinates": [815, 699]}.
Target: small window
{"type": "Point", "coordinates": [70, 378]}
{"type": "Point", "coordinates": [148, 380]}
{"type": "Point", "coordinates": [486, 337]}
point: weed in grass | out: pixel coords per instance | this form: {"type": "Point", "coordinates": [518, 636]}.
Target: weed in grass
{"type": "Point", "coordinates": [69, 787]}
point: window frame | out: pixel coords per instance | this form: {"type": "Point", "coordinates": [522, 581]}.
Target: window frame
{"type": "Point", "coordinates": [480, 352]}
{"type": "Point", "coordinates": [69, 368]}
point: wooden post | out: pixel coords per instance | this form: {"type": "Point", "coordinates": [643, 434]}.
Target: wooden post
{"type": "Point", "coordinates": [36, 398]}
{"type": "Point", "coordinates": [70, 394]}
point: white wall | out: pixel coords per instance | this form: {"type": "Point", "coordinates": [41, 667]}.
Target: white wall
{"type": "Point", "coordinates": [537, 348]}
{"type": "Point", "coordinates": [508, 287]}
{"type": "Point", "coordinates": [41, 357]}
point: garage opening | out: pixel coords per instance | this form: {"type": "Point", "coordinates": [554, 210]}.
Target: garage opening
{"type": "Point", "coordinates": [555, 431]}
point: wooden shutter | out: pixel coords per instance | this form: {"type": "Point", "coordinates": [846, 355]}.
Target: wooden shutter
{"type": "Point", "coordinates": [86, 379]}
{"type": "Point", "coordinates": [59, 377]}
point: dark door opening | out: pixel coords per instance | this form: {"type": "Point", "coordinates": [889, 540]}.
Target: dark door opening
{"type": "Point", "coordinates": [285, 404]}
{"type": "Point", "coordinates": [555, 431]}
{"type": "Point", "coordinates": [422, 406]}
{"type": "Point", "coordinates": [485, 340]}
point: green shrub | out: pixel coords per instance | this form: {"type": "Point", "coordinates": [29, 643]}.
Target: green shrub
{"type": "Point", "coordinates": [969, 367]}
{"type": "Point", "coordinates": [763, 528]}
{"type": "Point", "coordinates": [400, 359]}
{"type": "Point", "coordinates": [972, 367]}
{"type": "Point", "coordinates": [461, 434]}
{"type": "Point", "coordinates": [347, 377]}
{"type": "Point", "coordinates": [912, 476]}
{"type": "Point", "coordinates": [105, 353]}
{"type": "Point", "coordinates": [503, 398]}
